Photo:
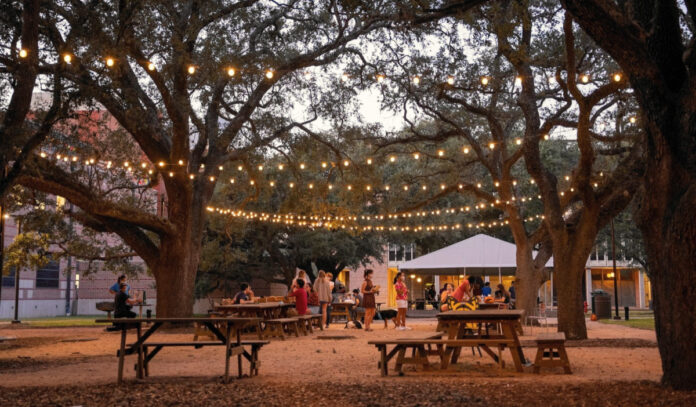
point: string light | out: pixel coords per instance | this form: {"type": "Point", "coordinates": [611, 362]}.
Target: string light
{"type": "Point", "coordinates": [150, 66]}
{"type": "Point", "coordinates": [632, 119]}
{"type": "Point", "coordinates": [441, 153]}
{"type": "Point", "coordinates": [380, 78]}
{"type": "Point", "coordinates": [617, 77]}
{"type": "Point", "coordinates": [416, 156]}
{"type": "Point", "coordinates": [416, 80]}
{"type": "Point", "coordinates": [546, 136]}
{"type": "Point", "coordinates": [450, 80]}
{"type": "Point", "coordinates": [67, 58]}
{"type": "Point", "coordinates": [584, 78]}
{"type": "Point", "coordinates": [109, 62]}
{"type": "Point", "coordinates": [269, 74]}
{"type": "Point", "coordinates": [518, 80]}
{"type": "Point", "coordinates": [484, 80]}
{"type": "Point", "coordinates": [231, 72]}
{"type": "Point", "coordinates": [324, 165]}
{"type": "Point", "coordinates": [344, 77]}
{"type": "Point", "coordinates": [369, 161]}
{"type": "Point", "coordinates": [302, 166]}
{"type": "Point", "coordinates": [191, 69]}
{"type": "Point", "coordinates": [518, 141]}
{"type": "Point", "coordinates": [23, 53]}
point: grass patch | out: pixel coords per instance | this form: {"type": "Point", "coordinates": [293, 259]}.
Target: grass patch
{"type": "Point", "coordinates": [642, 323]}
{"type": "Point", "coordinates": [57, 322]}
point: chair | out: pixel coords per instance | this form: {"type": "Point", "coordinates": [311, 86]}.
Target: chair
{"type": "Point", "coordinates": [538, 315]}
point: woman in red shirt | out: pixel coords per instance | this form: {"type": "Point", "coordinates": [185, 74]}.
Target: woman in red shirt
{"type": "Point", "coordinates": [401, 300]}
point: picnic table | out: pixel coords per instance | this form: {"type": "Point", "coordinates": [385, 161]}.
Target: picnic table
{"type": "Point", "coordinates": [473, 325]}
{"type": "Point", "coordinates": [492, 305]}
{"type": "Point", "coordinates": [341, 309]}
{"type": "Point", "coordinates": [222, 328]}
{"type": "Point", "coordinates": [262, 310]}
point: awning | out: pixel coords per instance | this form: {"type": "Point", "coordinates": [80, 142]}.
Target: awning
{"type": "Point", "coordinates": [471, 256]}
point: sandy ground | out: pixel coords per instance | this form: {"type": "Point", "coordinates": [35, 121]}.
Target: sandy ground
{"type": "Point", "coordinates": [42, 357]}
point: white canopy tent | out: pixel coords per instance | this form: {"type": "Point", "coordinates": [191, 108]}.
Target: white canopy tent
{"type": "Point", "coordinates": [471, 257]}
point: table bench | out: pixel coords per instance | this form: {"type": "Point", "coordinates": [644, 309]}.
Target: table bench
{"type": "Point", "coordinates": [221, 328]}
{"type": "Point", "coordinates": [278, 327]}
{"type": "Point", "coordinates": [551, 352]}
{"type": "Point", "coordinates": [251, 356]}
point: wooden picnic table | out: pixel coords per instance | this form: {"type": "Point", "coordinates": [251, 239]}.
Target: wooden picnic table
{"type": "Point", "coordinates": [263, 310]}
{"type": "Point", "coordinates": [233, 343]}
{"type": "Point", "coordinates": [342, 309]}
{"type": "Point", "coordinates": [464, 325]}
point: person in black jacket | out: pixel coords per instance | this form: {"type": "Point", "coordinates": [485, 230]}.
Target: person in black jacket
{"type": "Point", "coordinates": [123, 303]}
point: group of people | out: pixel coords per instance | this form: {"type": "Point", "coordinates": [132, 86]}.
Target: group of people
{"type": "Point", "coordinates": [317, 297]}
{"type": "Point", "coordinates": [472, 289]}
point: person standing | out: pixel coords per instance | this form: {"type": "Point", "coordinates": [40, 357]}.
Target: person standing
{"type": "Point", "coordinates": [486, 291]}
{"type": "Point", "coordinates": [116, 287]}
{"type": "Point", "coordinates": [323, 289]}
{"type": "Point", "coordinates": [301, 275]}
{"type": "Point", "coordinates": [367, 290]}
{"type": "Point", "coordinates": [401, 300]}
{"type": "Point", "coordinates": [512, 294]}
{"type": "Point", "coordinates": [329, 308]}
{"type": "Point", "coordinates": [313, 301]}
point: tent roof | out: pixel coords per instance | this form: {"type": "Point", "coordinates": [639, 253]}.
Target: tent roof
{"type": "Point", "coordinates": [480, 251]}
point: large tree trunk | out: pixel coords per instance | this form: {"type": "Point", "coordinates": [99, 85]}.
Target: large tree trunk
{"type": "Point", "coordinates": [179, 254]}
{"type": "Point", "coordinates": [667, 221]}
{"type": "Point", "coordinates": [528, 279]}
{"type": "Point", "coordinates": [569, 270]}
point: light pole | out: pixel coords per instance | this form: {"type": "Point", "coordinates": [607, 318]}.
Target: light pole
{"type": "Point", "coordinates": [616, 286]}
{"type": "Point", "coordinates": [16, 299]}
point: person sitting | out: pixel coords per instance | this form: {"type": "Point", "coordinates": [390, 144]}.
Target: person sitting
{"type": "Point", "coordinates": [502, 295]}
{"type": "Point", "coordinates": [116, 287]}
{"type": "Point", "coordinates": [123, 303]}
{"type": "Point", "coordinates": [245, 295]}
{"type": "Point", "coordinates": [357, 307]}
{"type": "Point", "coordinates": [300, 295]}
{"type": "Point", "coordinates": [313, 301]}
{"type": "Point", "coordinates": [445, 296]}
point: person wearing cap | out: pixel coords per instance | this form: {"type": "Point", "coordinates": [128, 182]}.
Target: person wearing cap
{"type": "Point", "coordinates": [123, 303]}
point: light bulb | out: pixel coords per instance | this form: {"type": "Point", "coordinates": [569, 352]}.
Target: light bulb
{"type": "Point", "coordinates": [231, 72]}
{"type": "Point", "coordinates": [23, 53]}
{"type": "Point", "coordinates": [416, 80]}
{"type": "Point", "coordinates": [269, 74]}
{"type": "Point", "coordinates": [584, 78]}
{"type": "Point", "coordinates": [109, 62]}
{"type": "Point", "coordinates": [617, 77]}
{"type": "Point", "coordinates": [344, 77]}
{"type": "Point", "coordinates": [150, 66]}
{"type": "Point", "coordinates": [67, 58]}
{"type": "Point", "coordinates": [518, 141]}
{"type": "Point", "coordinates": [191, 69]}
{"type": "Point", "coordinates": [484, 80]}
{"type": "Point", "coordinates": [380, 78]}
{"type": "Point", "coordinates": [450, 80]}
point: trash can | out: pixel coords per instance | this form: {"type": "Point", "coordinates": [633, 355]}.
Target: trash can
{"type": "Point", "coordinates": [601, 304]}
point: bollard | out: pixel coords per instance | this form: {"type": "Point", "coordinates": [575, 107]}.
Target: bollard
{"type": "Point", "coordinates": [626, 313]}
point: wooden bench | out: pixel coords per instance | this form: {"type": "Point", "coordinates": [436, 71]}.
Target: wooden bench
{"type": "Point", "coordinates": [278, 327]}
{"type": "Point", "coordinates": [252, 356]}
{"type": "Point", "coordinates": [551, 352]}
{"type": "Point", "coordinates": [305, 322]}
{"type": "Point", "coordinates": [424, 347]}
{"type": "Point", "coordinates": [316, 321]}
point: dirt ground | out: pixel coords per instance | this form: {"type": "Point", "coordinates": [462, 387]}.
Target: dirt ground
{"type": "Point", "coordinates": [86, 358]}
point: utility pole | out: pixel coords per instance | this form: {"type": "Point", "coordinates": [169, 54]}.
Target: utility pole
{"type": "Point", "coordinates": [616, 286]}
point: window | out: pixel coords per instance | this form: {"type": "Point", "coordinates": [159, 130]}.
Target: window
{"type": "Point", "coordinates": [392, 252]}
{"type": "Point", "coordinates": [48, 275]}
{"type": "Point", "coordinates": [8, 280]}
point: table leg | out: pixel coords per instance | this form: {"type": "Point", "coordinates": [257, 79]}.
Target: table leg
{"type": "Point", "coordinates": [122, 354]}
{"type": "Point", "coordinates": [383, 362]}
{"type": "Point", "coordinates": [140, 371]}
{"type": "Point", "coordinates": [239, 356]}
{"type": "Point", "coordinates": [227, 354]}
{"type": "Point", "coordinates": [515, 349]}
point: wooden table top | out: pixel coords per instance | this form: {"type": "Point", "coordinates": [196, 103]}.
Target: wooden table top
{"type": "Point", "coordinates": [186, 319]}
{"type": "Point", "coordinates": [482, 314]}
{"type": "Point", "coordinates": [259, 305]}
